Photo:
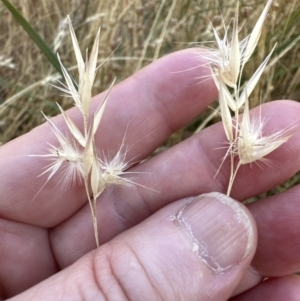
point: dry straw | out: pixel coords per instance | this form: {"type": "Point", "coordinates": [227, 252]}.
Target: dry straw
{"type": "Point", "coordinates": [77, 156]}
{"type": "Point", "coordinates": [247, 143]}
{"type": "Point", "coordinates": [6, 62]}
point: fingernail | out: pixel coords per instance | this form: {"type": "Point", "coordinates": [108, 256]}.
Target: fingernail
{"type": "Point", "coordinates": [219, 229]}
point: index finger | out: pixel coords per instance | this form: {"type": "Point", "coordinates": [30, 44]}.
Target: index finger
{"type": "Point", "coordinates": [151, 105]}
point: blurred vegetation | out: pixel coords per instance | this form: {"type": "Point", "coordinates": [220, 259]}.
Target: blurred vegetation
{"type": "Point", "coordinates": [134, 33]}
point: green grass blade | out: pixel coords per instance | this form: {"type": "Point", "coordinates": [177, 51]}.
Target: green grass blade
{"type": "Point", "coordinates": [34, 35]}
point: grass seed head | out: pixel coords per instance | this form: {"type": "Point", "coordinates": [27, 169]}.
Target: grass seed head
{"type": "Point", "coordinates": [114, 169]}
{"type": "Point", "coordinates": [226, 59]}
{"type": "Point", "coordinates": [86, 73]}
{"type": "Point", "coordinates": [252, 144]}
{"type": "Point", "coordinates": [231, 55]}
{"type": "Point", "coordinates": [67, 160]}
{"type": "Point", "coordinates": [67, 156]}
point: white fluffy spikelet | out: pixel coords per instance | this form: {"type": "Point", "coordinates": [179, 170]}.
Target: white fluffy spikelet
{"type": "Point", "coordinates": [114, 169]}
{"type": "Point", "coordinates": [252, 144]}
{"type": "Point", "coordinates": [226, 60]}
{"type": "Point", "coordinates": [230, 57]}
{"type": "Point", "coordinates": [67, 157]}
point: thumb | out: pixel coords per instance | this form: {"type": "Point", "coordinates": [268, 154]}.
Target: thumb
{"type": "Point", "coordinates": [192, 249]}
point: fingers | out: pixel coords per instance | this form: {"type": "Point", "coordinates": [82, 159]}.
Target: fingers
{"type": "Point", "coordinates": [149, 106]}
{"type": "Point", "coordinates": [277, 252]}
{"type": "Point", "coordinates": [25, 257]}
{"type": "Point", "coordinates": [278, 248]}
{"type": "Point", "coordinates": [193, 249]}
{"type": "Point", "coordinates": [187, 169]}
{"type": "Point", "coordinates": [275, 289]}
{"type": "Point", "coordinates": [278, 222]}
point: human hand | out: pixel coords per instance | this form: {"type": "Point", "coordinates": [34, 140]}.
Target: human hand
{"type": "Point", "coordinates": [147, 251]}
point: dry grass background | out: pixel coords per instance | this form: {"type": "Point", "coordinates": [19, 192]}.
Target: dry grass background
{"type": "Point", "coordinates": [137, 32]}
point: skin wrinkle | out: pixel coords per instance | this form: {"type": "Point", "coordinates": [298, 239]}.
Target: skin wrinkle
{"type": "Point", "coordinates": [52, 251]}
{"type": "Point", "coordinates": [138, 125]}
{"type": "Point", "coordinates": [81, 293]}
{"type": "Point", "coordinates": [149, 279]}
{"type": "Point", "coordinates": [150, 137]}
{"type": "Point", "coordinates": [96, 267]}
{"type": "Point", "coordinates": [114, 274]}
{"type": "Point", "coordinates": [11, 206]}
{"type": "Point", "coordinates": [27, 238]}
{"type": "Point", "coordinates": [136, 193]}
{"type": "Point", "coordinates": [120, 215]}
{"type": "Point", "coordinates": [95, 275]}
{"type": "Point", "coordinates": [77, 251]}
